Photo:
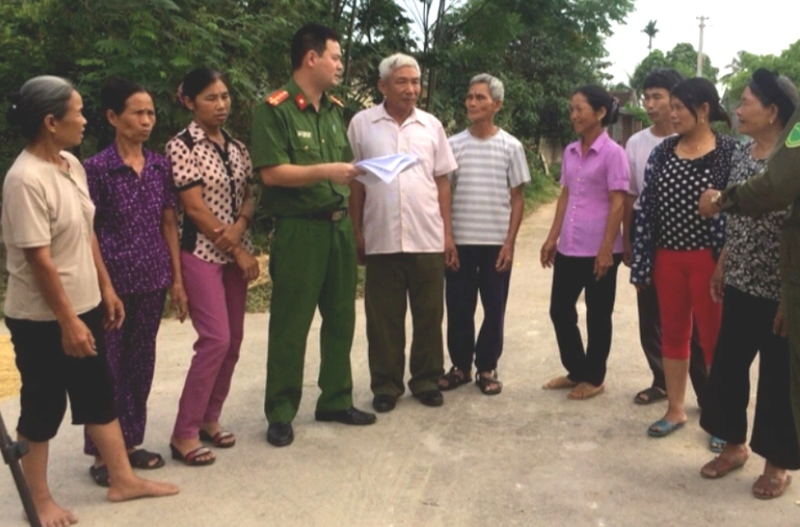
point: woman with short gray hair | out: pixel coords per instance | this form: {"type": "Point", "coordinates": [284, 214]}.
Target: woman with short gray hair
{"type": "Point", "coordinates": [59, 295]}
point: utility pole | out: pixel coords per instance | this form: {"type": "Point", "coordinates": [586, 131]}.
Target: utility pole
{"type": "Point", "coordinates": [700, 55]}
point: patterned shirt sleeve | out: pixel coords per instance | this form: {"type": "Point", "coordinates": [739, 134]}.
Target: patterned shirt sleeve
{"type": "Point", "coordinates": [185, 171]}
{"type": "Point", "coordinates": [643, 221]}
{"type": "Point", "coordinates": [170, 198]}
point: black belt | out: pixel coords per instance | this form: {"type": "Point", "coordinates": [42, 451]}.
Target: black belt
{"type": "Point", "coordinates": [331, 215]}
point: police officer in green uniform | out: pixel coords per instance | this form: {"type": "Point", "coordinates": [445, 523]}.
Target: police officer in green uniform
{"type": "Point", "coordinates": [776, 189]}
{"type": "Point", "coordinates": [299, 148]}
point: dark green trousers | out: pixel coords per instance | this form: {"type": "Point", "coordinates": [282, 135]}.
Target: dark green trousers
{"type": "Point", "coordinates": [393, 282]}
{"type": "Point", "coordinates": [312, 264]}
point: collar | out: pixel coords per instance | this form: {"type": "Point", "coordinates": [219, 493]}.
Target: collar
{"type": "Point", "coordinates": [598, 145]}
{"type": "Point", "coordinates": [114, 161]}
{"type": "Point", "coordinates": [199, 135]}
{"type": "Point", "coordinates": [301, 100]}
{"type": "Point", "coordinates": [381, 114]}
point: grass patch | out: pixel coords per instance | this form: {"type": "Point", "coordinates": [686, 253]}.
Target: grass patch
{"type": "Point", "coordinates": [542, 189]}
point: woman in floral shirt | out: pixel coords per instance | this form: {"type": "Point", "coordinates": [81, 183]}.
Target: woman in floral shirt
{"type": "Point", "coordinates": [751, 319]}
{"type": "Point", "coordinates": [212, 173]}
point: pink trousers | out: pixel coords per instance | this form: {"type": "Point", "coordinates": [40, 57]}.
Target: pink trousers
{"type": "Point", "coordinates": [217, 295]}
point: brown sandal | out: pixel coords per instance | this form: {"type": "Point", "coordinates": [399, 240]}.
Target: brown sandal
{"type": "Point", "coordinates": [190, 459]}
{"type": "Point", "coordinates": [585, 391]}
{"type": "Point", "coordinates": [489, 385]}
{"type": "Point", "coordinates": [722, 466]}
{"type": "Point", "coordinates": [766, 488]}
{"type": "Point", "coordinates": [453, 379]}
{"type": "Point", "coordinates": [222, 439]}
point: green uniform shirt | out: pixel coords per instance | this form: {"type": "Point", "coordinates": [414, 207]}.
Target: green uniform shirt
{"type": "Point", "coordinates": [287, 129]}
{"type": "Point", "coordinates": [776, 189]}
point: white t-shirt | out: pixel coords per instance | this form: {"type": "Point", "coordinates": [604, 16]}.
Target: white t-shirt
{"type": "Point", "coordinates": [46, 206]}
{"type": "Point", "coordinates": [639, 147]}
{"type": "Point", "coordinates": [487, 169]}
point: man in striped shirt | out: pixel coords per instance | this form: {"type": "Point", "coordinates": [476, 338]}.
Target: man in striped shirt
{"type": "Point", "coordinates": [487, 211]}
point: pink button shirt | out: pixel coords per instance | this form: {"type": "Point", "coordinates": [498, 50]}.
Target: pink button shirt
{"type": "Point", "coordinates": [404, 216]}
{"type": "Point", "coordinates": [589, 179]}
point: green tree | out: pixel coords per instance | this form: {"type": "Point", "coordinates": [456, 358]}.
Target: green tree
{"type": "Point", "coordinates": [683, 58]}
{"type": "Point", "coordinates": [745, 64]}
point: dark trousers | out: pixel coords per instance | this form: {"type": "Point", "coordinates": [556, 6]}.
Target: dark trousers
{"type": "Point", "coordinates": [476, 274]}
{"type": "Point", "coordinates": [131, 352]}
{"type": "Point", "coordinates": [747, 323]}
{"type": "Point", "coordinates": [571, 276]}
{"type": "Point", "coordinates": [393, 282]}
{"type": "Point", "coordinates": [650, 337]}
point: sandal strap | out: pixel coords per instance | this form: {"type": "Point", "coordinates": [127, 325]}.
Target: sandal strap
{"type": "Point", "coordinates": [190, 456]}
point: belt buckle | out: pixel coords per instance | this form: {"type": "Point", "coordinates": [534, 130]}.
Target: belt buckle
{"type": "Point", "coordinates": [338, 215]}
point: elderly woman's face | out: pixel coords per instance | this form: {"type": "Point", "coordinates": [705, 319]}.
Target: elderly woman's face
{"type": "Point", "coordinates": [584, 118]}
{"type": "Point", "coordinates": [137, 119]}
{"type": "Point", "coordinates": [68, 131]}
{"type": "Point", "coordinates": [753, 116]}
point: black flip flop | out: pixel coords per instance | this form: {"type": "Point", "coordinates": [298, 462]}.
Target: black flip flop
{"type": "Point", "coordinates": [653, 395]}
{"type": "Point", "coordinates": [100, 475]}
{"type": "Point", "coordinates": [141, 458]}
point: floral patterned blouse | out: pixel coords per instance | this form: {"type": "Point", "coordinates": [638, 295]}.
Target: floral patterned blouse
{"type": "Point", "coordinates": [753, 243]}
{"type": "Point", "coordinates": [668, 216]}
{"type": "Point", "coordinates": [224, 173]}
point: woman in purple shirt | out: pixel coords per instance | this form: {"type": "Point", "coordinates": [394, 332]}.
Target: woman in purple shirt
{"type": "Point", "coordinates": [137, 231]}
{"type": "Point", "coordinates": [584, 246]}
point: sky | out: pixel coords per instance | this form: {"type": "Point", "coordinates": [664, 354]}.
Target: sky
{"type": "Point", "coordinates": [763, 27]}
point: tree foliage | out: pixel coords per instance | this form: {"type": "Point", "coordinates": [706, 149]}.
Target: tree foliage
{"type": "Point", "coordinates": [683, 58]}
{"type": "Point", "coordinates": [745, 64]}
{"type": "Point", "coordinates": [542, 49]}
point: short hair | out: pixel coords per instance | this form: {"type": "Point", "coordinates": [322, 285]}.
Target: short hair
{"type": "Point", "coordinates": [771, 88]}
{"type": "Point", "coordinates": [311, 37]}
{"type": "Point", "coordinates": [39, 97]}
{"type": "Point", "coordinates": [198, 80]}
{"type": "Point", "coordinates": [598, 97]}
{"type": "Point", "coordinates": [697, 91]}
{"type": "Point", "coordinates": [665, 78]}
{"type": "Point", "coordinates": [395, 62]}
{"type": "Point", "coordinates": [495, 85]}
{"type": "Point", "coordinates": [115, 94]}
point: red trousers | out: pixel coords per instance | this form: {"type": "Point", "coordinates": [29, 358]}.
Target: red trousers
{"type": "Point", "coordinates": [683, 283]}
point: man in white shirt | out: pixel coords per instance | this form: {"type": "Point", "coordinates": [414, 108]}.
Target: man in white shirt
{"type": "Point", "coordinates": [403, 234]}
{"type": "Point", "coordinates": [488, 203]}
{"type": "Point", "coordinates": [657, 87]}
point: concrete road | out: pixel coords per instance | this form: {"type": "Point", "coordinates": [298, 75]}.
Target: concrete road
{"type": "Point", "coordinates": [527, 457]}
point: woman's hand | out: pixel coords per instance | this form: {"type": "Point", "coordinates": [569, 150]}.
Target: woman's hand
{"type": "Point", "coordinates": [780, 327]}
{"type": "Point", "coordinates": [547, 256]}
{"type": "Point", "coordinates": [247, 263]}
{"type": "Point", "coordinates": [178, 301]}
{"type": "Point", "coordinates": [229, 236]}
{"type": "Point", "coordinates": [77, 339]}
{"type": "Point", "coordinates": [115, 310]}
{"type": "Point", "coordinates": [603, 262]}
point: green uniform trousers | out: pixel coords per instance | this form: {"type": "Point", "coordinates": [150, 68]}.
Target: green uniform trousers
{"type": "Point", "coordinates": [394, 281]}
{"type": "Point", "coordinates": [312, 264]}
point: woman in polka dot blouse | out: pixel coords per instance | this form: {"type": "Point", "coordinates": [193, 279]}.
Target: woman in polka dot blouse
{"type": "Point", "coordinates": [212, 174]}
{"type": "Point", "coordinates": [674, 249]}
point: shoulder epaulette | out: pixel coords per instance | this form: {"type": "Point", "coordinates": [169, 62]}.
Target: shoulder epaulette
{"type": "Point", "coordinates": [277, 97]}
{"type": "Point", "coordinates": [336, 101]}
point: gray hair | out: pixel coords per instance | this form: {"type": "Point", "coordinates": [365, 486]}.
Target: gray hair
{"type": "Point", "coordinates": [39, 97]}
{"type": "Point", "coordinates": [495, 85]}
{"type": "Point", "coordinates": [395, 62]}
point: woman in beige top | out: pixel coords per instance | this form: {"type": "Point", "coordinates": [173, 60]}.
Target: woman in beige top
{"type": "Point", "coordinates": [59, 296]}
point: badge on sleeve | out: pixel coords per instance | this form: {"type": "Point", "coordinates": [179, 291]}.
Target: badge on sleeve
{"type": "Point", "coordinates": [793, 141]}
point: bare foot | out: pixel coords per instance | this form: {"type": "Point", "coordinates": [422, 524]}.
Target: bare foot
{"type": "Point", "coordinates": [140, 488]}
{"type": "Point", "coordinates": [585, 391]}
{"type": "Point", "coordinates": [560, 383]}
{"type": "Point", "coordinates": [51, 515]}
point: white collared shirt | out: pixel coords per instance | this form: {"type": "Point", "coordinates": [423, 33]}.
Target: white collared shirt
{"type": "Point", "coordinates": [404, 216]}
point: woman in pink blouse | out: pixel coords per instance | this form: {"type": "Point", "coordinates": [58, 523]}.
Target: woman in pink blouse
{"type": "Point", "coordinates": [212, 173]}
{"type": "Point", "coordinates": [584, 246]}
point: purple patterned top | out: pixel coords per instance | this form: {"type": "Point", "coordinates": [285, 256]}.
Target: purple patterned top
{"type": "Point", "coordinates": [128, 219]}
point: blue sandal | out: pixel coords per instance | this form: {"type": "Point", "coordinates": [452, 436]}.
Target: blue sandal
{"type": "Point", "coordinates": [716, 444]}
{"type": "Point", "coordinates": [663, 428]}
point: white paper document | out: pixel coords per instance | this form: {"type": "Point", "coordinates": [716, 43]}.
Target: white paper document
{"type": "Point", "coordinates": [385, 168]}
